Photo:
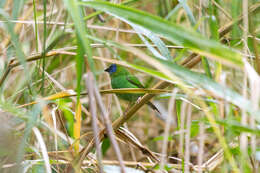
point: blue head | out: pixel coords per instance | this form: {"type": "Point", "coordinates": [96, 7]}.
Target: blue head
{"type": "Point", "coordinates": [111, 69]}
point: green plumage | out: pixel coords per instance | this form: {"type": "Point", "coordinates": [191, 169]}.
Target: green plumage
{"type": "Point", "coordinates": [121, 78]}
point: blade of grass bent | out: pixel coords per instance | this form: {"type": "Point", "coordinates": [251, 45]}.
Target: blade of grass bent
{"type": "Point", "coordinates": [175, 33]}
{"type": "Point", "coordinates": [156, 40]}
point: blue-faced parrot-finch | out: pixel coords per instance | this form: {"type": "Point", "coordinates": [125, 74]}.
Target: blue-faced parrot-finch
{"type": "Point", "coordinates": [121, 78]}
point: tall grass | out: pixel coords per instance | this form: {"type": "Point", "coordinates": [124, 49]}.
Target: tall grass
{"type": "Point", "coordinates": [199, 61]}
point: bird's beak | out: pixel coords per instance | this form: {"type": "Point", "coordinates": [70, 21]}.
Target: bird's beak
{"type": "Point", "coordinates": [107, 70]}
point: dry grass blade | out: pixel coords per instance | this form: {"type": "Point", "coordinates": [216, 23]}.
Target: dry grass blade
{"type": "Point", "coordinates": [43, 148]}
{"type": "Point", "coordinates": [93, 111]}
{"type": "Point", "coordinates": [127, 137]}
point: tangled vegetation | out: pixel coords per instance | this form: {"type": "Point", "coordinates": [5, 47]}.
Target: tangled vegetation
{"type": "Point", "coordinates": [195, 61]}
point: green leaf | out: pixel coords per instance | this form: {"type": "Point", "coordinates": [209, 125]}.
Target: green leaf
{"type": "Point", "coordinates": [175, 33]}
{"type": "Point", "coordinates": [194, 131]}
{"type": "Point", "coordinates": [68, 114]}
{"type": "Point", "coordinates": [236, 126]}
{"type": "Point", "coordinates": [160, 138]}
{"type": "Point", "coordinates": [105, 146]}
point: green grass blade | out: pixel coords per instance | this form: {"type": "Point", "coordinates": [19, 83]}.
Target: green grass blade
{"type": "Point", "coordinates": [206, 66]}
{"type": "Point", "coordinates": [188, 11]}
{"type": "Point", "coordinates": [237, 127]}
{"type": "Point", "coordinates": [128, 2]}
{"type": "Point", "coordinates": [173, 11]}
{"type": "Point", "coordinates": [175, 33]}
{"type": "Point", "coordinates": [44, 43]}
{"type": "Point", "coordinates": [83, 43]}
{"type": "Point", "coordinates": [81, 30]}
{"type": "Point", "coordinates": [36, 25]}
{"type": "Point", "coordinates": [79, 67]}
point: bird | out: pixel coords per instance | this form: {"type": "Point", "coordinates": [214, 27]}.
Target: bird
{"type": "Point", "coordinates": [122, 78]}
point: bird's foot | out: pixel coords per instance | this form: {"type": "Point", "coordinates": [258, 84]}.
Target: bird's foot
{"type": "Point", "coordinates": [138, 100]}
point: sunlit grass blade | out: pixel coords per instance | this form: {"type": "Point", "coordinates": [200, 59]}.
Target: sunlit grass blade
{"type": "Point", "coordinates": [77, 126]}
{"type": "Point", "coordinates": [71, 93]}
{"type": "Point", "coordinates": [51, 97]}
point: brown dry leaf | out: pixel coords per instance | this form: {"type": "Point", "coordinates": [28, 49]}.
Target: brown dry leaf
{"type": "Point", "coordinates": [46, 111]}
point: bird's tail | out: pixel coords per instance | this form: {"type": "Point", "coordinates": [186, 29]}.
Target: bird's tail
{"type": "Point", "coordinates": [153, 107]}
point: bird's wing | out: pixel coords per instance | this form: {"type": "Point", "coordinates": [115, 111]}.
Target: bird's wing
{"type": "Point", "coordinates": [134, 80]}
